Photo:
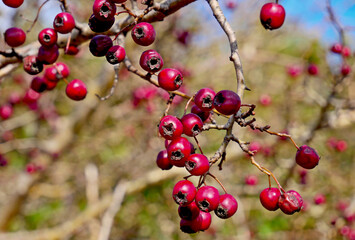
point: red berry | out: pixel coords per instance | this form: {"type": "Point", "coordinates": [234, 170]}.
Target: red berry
{"type": "Point", "coordinates": [170, 127]}
{"type": "Point", "coordinates": [38, 84]}
{"type": "Point", "coordinates": [336, 48]}
{"type": "Point", "coordinates": [13, 3]}
{"type": "Point", "coordinates": [76, 90]}
{"type": "Point", "coordinates": [189, 212]}
{"type": "Point", "coordinates": [104, 10]}
{"type": "Point", "coordinates": [312, 69]}
{"type": "Point", "coordinates": [319, 199]}
{"type": "Point", "coordinates": [118, 1]}
{"type": "Point", "coordinates": [204, 99]}
{"type": "Point", "coordinates": [50, 85]}
{"type": "Point", "coordinates": [151, 61]}
{"type": "Point", "coordinates": [163, 161]}
{"type": "Point", "coordinates": [345, 70]}
{"type": "Point", "coordinates": [227, 102]}
{"type": "Point", "coordinates": [265, 100]}
{"type": "Point", "coordinates": [346, 51]}
{"type": "Point", "coordinates": [269, 198]}
{"type": "Point", "coordinates": [207, 198]}
{"type": "Point", "coordinates": [190, 226]}
{"type": "Point", "coordinates": [48, 55]}
{"type": "Point", "coordinates": [290, 202]}
{"type": "Point", "coordinates": [3, 161]}
{"type": "Point", "coordinates": [227, 206]}
{"type": "Point", "coordinates": [251, 180]}
{"type": "Point", "coordinates": [64, 23]}
{"type": "Point", "coordinates": [197, 164]}
{"type": "Point", "coordinates": [184, 192]}
{"type": "Point", "coordinates": [170, 79]}
{"type": "Point", "coordinates": [31, 96]}
{"type": "Point", "coordinates": [202, 114]}
{"type": "Point", "coordinates": [72, 50]}
{"type": "Point", "coordinates": [143, 34]}
{"type": "Point", "coordinates": [272, 16]}
{"type": "Point", "coordinates": [32, 65]}
{"type": "Point", "coordinates": [62, 70]}
{"type": "Point", "coordinates": [47, 37]}
{"type": "Point", "coordinates": [255, 147]}
{"type": "Point", "coordinates": [192, 124]}
{"type": "Point", "coordinates": [294, 71]}
{"type": "Point", "coordinates": [307, 157]}
{"type": "Point", "coordinates": [205, 220]}
{"type": "Point", "coordinates": [6, 111]}
{"type": "Point", "coordinates": [178, 151]}
{"type": "Point", "coordinates": [99, 45]}
{"type": "Point", "coordinates": [100, 26]}
{"type": "Point", "coordinates": [15, 37]}
{"type": "Point", "coordinates": [341, 146]}
{"type": "Point", "coordinates": [116, 54]}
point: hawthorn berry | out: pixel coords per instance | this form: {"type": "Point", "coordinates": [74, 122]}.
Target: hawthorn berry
{"type": "Point", "coordinates": [227, 102]}
{"type": "Point", "coordinates": [341, 146]}
{"type": "Point", "coordinates": [345, 70]}
{"type": "Point", "coordinates": [346, 51]}
{"type": "Point", "coordinates": [192, 124]}
{"type": "Point", "coordinates": [269, 198]}
{"type": "Point", "coordinates": [197, 164]}
{"type": "Point", "coordinates": [57, 72]}
{"type": "Point", "coordinates": [272, 16]}
{"type": "Point", "coordinates": [336, 48]}
{"type": "Point", "coordinates": [202, 114]}
{"type": "Point", "coordinates": [6, 111]}
{"type": "Point", "coordinates": [48, 37]}
{"type": "Point", "coordinates": [115, 54]}
{"type": "Point", "coordinates": [178, 151]}
{"type": "Point", "coordinates": [64, 22]}
{"type": "Point", "coordinates": [184, 192]}
{"type": "Point", "coordinates": [319, 199]}
{"type": "Point", "coordinates": [104, 10]}
{"type": "Point", "coordinates": [290, 202]}
{"type": "Point", "coordinates": [312, 69]}
{"type": "Point", "coordinates": [189, 212]}
{"type": "Point", "coordinates": [251, 180]}
{"type": "Point", "coordinates": [204, 99]}
{"type": "Point", "coordinates": [99, 45]}
{"type": "Point", "coordinates": [265, 100]}
{"type": "Point", "coordinates": [170, 79]}
{"type": "Point", "coordinates": [227, 206]}
{"type": "Point", "coordinates": [32, 65]}
{"type": "Point", "coordinates": [143, 34]}
{"type": "Point", "coordinates": [307, 157]}
{"type": "Point", "coordinates": [205, 220]}
{"type": "Point", "coordinates": [151, 61]}
{"type": "Point", "coordinates": [3, 161]}
{"type": "Point", "coordinates": [13, 3]}
{"type": "Point", "coordinates": [100, 26]}
{"type": "Point", "coordinates": [15, 37]}
{"type": "Point", "coordinates": [207, 198]}
{"type": "Point", "coordinates": [71, 50]}
{"type": "Point", "coordinates": [50, 85]}
{"type": "Point", "coordinates": [48, 55]}
{"type": "Point", "coordinates": [170, 127]}
{"type": "Point", "coordinates": [38, 84]}
{"type": "Point", "coordinates": [163, 161]}
{"type": "Point", "coordinates": [190, 226]}
{"type": "Point", "coordinates": [31, 96]}
{"type": "Point", "coordinates": [76, 90]}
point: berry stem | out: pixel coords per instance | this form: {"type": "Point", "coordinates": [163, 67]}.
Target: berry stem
{"type": "Point", "coordinates": [170, 101]}
{"type": "Point", "coordinates": [36, 18]}
{"type": "Point", "coordinates": [68, 43]}
{"type": "Point", "coordinates": [198, 144]}
{"type": "Point", "coordinates": [219, 182]}
{"type": "Point", "coordinates": [187, 104]}
{"type": "Point", "coordinates": [283, 135]}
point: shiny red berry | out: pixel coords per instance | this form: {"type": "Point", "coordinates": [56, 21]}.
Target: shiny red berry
{"type": "Point", "coordinates": [178, 151]}
{"type": "Point", "coordinates": [31, 96]}
{"type": "Point", "coordinates": [13, 3]}
{"type": "Point", "coordinates": [312, 69]}
{"type": "Point", "coordinates": [48, 55]}
{"type": "Point", "coordinates": [163, 161]}
{"type": "Point", "coordinates": [38, 84]}
{"type": "Point", "coordinates": [197, 164]}
{"type": "Point", "coordinates": [57, 72]}
{"type": "Point", "coordinates": [76, 90]}
{"type": "Point", "coordinates": [190, 226]}
{"type": "Point", "coordinates": [104, 10]}
{"type": "Point", "coordinates": [184, 192]}
{"type": "Point", "coordinates": [99, 45]}
{"type": "Point", "coordinates": [143, 34]}
{"type": "Point", "coordinates": [336, 48]}
{"type": "Point", "coordinates": [64, 22]}
{"type": "Point", "coordinates": [170, 127]}
{"type": "Point", "coordinates": [32, 65]}
{"type": "Point", "coordinates": [192, 124]}
{"type": "Point", "coordinates": [50, 85]}
{"type": "Point", "coordinates": [227, 206]}
{"type": "Point", "coordinates": [205, 220]}
{"type": "Point", "coordinates": [48, 37]}
{"type": "Point", "coordinates": [72, 50]}
{"type": "Point", "coordinates": [269, 198]}
{"type": "Point", "coordinates": [170, 79]}
{"type": "Point", "coordinates": [207, 198]}
{"type": "Point", "coordinates": [6, 111]}
{"type": "Point", "coordinates": [100, 26]}
{"type": "Point", "coordinates": [290, 202]}
{"type": "Point", "coordinates": [115, 54]}
{"type": "Point", "coordinates": [151, 61]}
{"type": "Point", "coordinates": [202, 114]}
{"type": "Point", "coordinates": [346, 51]}
{"type": "Point", "coordinates": [15, 37]}
{"type": "Point", "coordinates": [272, 16]}
{"type": "Point", "coordinates": [204, 99]}
{"type": "Point", "coordinates": [307, 157]}
{"type": "Point", "coordinates": [189, 212]}
{"type": "Point", "coordinates": [227, 102]}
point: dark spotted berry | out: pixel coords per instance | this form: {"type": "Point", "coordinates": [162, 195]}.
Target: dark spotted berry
{"type": "Point", "coordinates": [227, 206]}
{"type": "Point", "coordinates": [143, 34]}
{"type": "Point", "coordinates": [272, 16]}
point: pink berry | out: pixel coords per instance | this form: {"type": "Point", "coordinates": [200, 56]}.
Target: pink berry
{"type": "Point", "coordinates": [290, 202]}
{"type": "Point", "coordinates": [6, 111]}
{"type": "Point", "coordinates": [272, 16]}
{"type": "Point", "coordinates": [192, 124]}
{"type": "Point", "coordinates": [336, 48]}
{"type": "Point", "coordinates": [76, 90]}
{"type": "Point", "coordinates": [265, 100]}
{"type": "Point", "coordinates": [48, 55]}
{"type": "Point", "coordinates": [64, 22]}
{"type": "Point", "coordinates": [104, 10]}
{"type": "Point", "coordinates": [205, 220]}
{"type": "Point", "coordinates": [15, 37]}
{"type": "Point", "coordinates": [251, 180]}
{"type": "Point", "coordinates": [32, 65]}
{"type": "Point", "coordinates": [312, 69]}
{"type": "Point", "coordinates": [170, 79]}
{"type": "Point", "coordinates": [227, 102]}
{"type": "Point", "coordinates": [151, 61]}
{"type": "Point", "coordinates": [31, 96]}
{"type": "Point", "coordinates": [163, 161]}
{"type": "Point", "coordinates": [13, 3]}
{"type": "Point", "coordinates": [202, 114]}
{"type": "Point", "coordinates": [269, 198]}
{"type": "Point", "coordinates": [48, 37]}
{"type": "Point", "coordinates": [184, 192]}
{"type": "Point", "coordinates": [346, 51]}
{"type": "Point", "coordinates": [143, 34]}
{"type": "Point", "coordinates": [115, 54]}
{"type": "Point", "coordinates": [319, 199]}
{"type": "Point", "coordinates": [99, 45]}
{"type": "Point", "coordinates": [294, 71]}
{"type": "Point", "coordinates": [50, 85]}
{"type": "Point", "coordinates": [341, 146]}
{"type": "Point", "coordinates": [178, 151]}
{"type": "Point", "coordinates": [227, 206]}
{"type": "Point", "coordinates": [307, 157]}
{"type": "Point", "coordinates": [207, 198]}
{"type": "Point", "coordinates": [345, 70]}
{"type": "Point", "coordinates": [255, 147]}
{"type": "Point", "coordinates": [170, 127]}
{"type": "Point", "coordinates": [197, 164]}
{"type": "Point", "coordinates": [189, 212]}
{"type": "Point", "coordinates": [204, 99]}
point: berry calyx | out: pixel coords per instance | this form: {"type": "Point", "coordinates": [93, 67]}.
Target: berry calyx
{"type": "Point", "coordinates": [197, 164]}
{"type": "Point", "coordinates": [64, 22]}
{"type": "Point", "coordinates": [178, 151]}
{"type": "Point", "coordinates": [143, 34]}
{"type": "Point", "coordinates": [170, 127]}
{"type": "Point", "coordinates": [184, 192]}
{"type": "Point", "coordinates": [151, 61]}
{"type": "Point", "coordinates": [192, 124]}
{"type": "Point", "coordinates": [204, 99]}
{"type": "Point", "coordinates": [163, 161]}
{"type": "Point", "coordinates": [15, 37]}
{"type": "Point", "coordinates": [227, 206]}
{"type": "Point", "coordinates": [307, 157]}
{"type": "Point", "coordinates": [290, 202]}
{"type": "Point", "coordinates": [269, 198]}
{"type": "Point", "coordinates": [170, 79]}
{"type": "Point", "coordinates": [76, 90]}
{"type": "Point", "coordinates": [48, 37]}
{"type": "Point", "coordinates": [115, 54]}
{"type": "Point", "coordinates": [227, 102]}
{"type": "Point", "coordinates": [272, 16]}
{"type": "Point", "coordinates": [99, 45]}
{"type": "Point", "coordinates": [32, 65]}
{"type": "Point", "coordinates": [207, 198]}
{"type": "Point", "coordinates": [104, 10]}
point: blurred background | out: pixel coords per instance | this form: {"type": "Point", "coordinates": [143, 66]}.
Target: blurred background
{"type": "Point", "coordinates": [62, 159]}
